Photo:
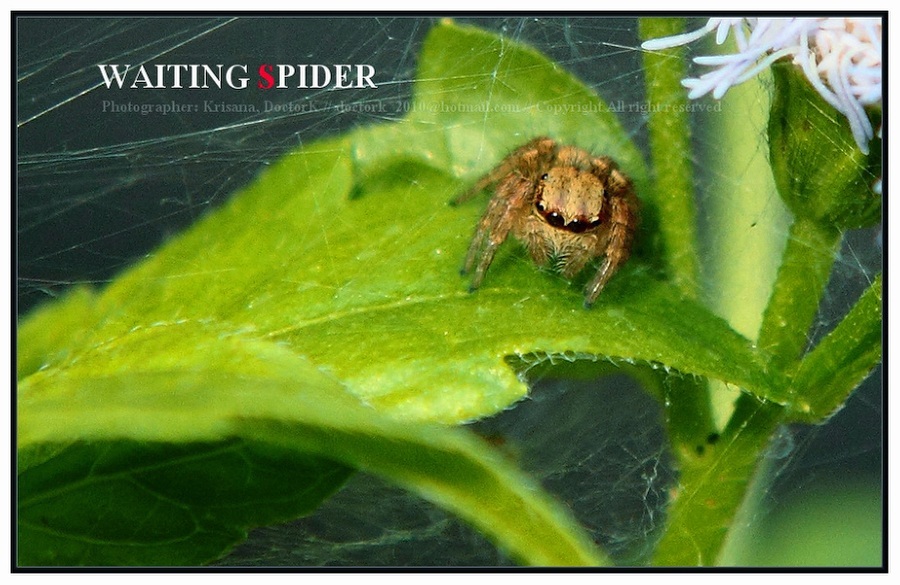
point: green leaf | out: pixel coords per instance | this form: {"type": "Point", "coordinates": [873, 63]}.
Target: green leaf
{"type": "Point", "coordinates": [123, 502]}
{"type": "Point", "coordinates": [829, 373]}
{"type": "Point", "coordinates": [478, 96]}
{"type": "Point", "coordinates": [50, 332]}
{"type": "Point", "coordinates": [333, 279]}
{"type": "Point", "coordinates": [156, 466]}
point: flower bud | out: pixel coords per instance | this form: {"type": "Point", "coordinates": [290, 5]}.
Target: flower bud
{"type": "Point", "coordinates": [819, 170]}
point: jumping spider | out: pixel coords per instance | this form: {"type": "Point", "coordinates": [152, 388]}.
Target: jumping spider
{"type": "Point", "coordinates": [563, 204]}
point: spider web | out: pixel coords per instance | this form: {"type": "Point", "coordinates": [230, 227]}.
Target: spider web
{"type": "Point", "coordinates": [97, 191]}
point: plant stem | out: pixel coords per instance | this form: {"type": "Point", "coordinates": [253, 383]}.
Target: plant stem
{"type": "Point", "coordinates": [712, 487]}
{"type": "Point", "coordinates": [805, 268]}
{"type": "Point", "coordinates": [688, 411]}
{"type": "Point", "coordinates": [670, 149]}
{"type": "Point", "coordinates": [799, 286]}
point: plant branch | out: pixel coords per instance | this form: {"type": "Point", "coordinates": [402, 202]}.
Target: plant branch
{"type": "Point", "coordinates": [670, 147]}
{"type": "Point", "coordinates": [799, 286]}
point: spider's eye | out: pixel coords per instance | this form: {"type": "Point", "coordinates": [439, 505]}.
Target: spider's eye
{"type": "Point", "coordinates": [580, 225]}
{"type": "Point", "coordinates": [539, 205]}
{"type": "Point", "coordinates": [577, 226]}
{"type": "Point", "coordinates": [555, 219]}
{"type": "Point", "coordinates": [545, 176]}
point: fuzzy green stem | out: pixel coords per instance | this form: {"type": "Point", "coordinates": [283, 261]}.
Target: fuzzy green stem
{"type": "Point", "coordinates": [670, 148]}
{"type": "Point", "coordinates": [713, 486]}
{"type": "Point", "coordinates": [689, 415]}
{"type": "Point", "coordinates": [805, 268]}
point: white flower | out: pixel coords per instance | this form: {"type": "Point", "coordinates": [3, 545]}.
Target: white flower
{"type": "Point", "coordinates": [841, 57]}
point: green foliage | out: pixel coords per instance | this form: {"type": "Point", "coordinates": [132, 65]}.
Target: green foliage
{"type": "Point", "coordinates": [318, 324]}
{"type": "Point", "coordinates": [826, 376]}
{"type": "Point", "coordinates": [820, 172]}
{"type": "Point", "coordinates": [171, 467]}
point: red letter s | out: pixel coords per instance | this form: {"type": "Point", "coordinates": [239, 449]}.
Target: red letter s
{"type": "Point", "coordinates": [267, 81]}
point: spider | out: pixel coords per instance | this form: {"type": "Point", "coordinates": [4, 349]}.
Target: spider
{"type": "Point", "coordinates": [563, 204]}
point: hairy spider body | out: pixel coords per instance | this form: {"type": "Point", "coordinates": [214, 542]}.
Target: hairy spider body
{"type": "Point", "coordinates": [564, 204]}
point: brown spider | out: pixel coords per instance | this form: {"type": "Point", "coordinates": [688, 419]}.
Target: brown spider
{"type": "Point", "coordinates": [563, 204]}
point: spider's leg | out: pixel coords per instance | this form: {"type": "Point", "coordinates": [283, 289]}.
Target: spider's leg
{"type": "Point", "coordinates": [493, 228]}
{"type": "Point", "coordinates": [481, 234]}
{"type": "Point", "coordinates": [495, 225]}
{"type": "Point", "coordinates": [487, 256]}
{"type": "Point", "coordinates": [593, 290]}
{"type": "Point", "coordinates": [480, 186]}
{"type": "Point", "coordinates": [623, 217]}
{"type": "Point", "coordinates": [541, 147]}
